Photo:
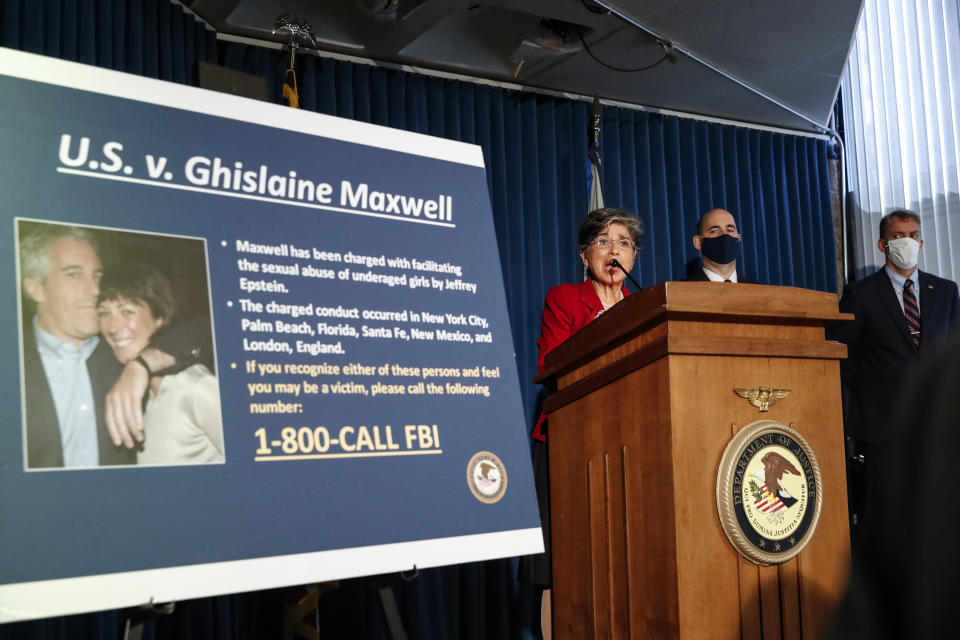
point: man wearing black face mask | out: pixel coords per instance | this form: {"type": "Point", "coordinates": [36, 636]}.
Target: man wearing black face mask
{"type": "Point", "coordinates": [902, 314]}
{"type": "Point", "coordinates": [718, 242]}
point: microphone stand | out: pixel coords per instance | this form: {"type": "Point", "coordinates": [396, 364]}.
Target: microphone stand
{"type": "Point", "coordinates": [614, 263]}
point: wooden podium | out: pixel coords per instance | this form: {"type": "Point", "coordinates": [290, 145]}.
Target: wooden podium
{"type": "Point", "coordinates": [644, 409]}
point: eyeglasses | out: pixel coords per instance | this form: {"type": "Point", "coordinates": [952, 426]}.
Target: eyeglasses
{"type": "Point", "coordinates": [605, 243]}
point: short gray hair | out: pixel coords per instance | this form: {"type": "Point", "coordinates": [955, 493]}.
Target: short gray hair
{"type": "Point", "coordinates": [35, 245]}
{"type": "Point", "coordinates": [900, 214]}
{"type": "Point", "coordinates": [599, 219]}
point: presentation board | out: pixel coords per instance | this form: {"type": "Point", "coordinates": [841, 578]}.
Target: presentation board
{"type": "Point", "coordinates": [345, 400]}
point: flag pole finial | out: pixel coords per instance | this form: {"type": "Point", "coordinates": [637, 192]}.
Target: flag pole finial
{"type": "Point", "coordinates": [298, 32]}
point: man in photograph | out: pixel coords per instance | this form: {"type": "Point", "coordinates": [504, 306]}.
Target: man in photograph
{"type": "Point", "coordinates": [82, 408]}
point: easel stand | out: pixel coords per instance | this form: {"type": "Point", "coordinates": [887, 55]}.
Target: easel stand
{"type": "Point", "coordinates": [139, 616]}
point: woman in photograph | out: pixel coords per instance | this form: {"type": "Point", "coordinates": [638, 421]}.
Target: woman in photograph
{"type": "Point", "coordinates": [181, 422]}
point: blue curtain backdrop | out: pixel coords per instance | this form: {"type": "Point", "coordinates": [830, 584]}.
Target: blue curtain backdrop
{"type": "Point", "coordinates": [669, 170]}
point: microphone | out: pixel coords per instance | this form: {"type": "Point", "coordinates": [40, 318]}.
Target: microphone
{"type": "Point", "coordinates": [614, 263]}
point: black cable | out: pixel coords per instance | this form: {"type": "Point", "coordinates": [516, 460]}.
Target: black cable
{"type": "Point", "coordinates": [586, 48]}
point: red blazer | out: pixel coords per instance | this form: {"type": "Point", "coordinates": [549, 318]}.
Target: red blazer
{"type": "Point", "coordinates": [567, 309]}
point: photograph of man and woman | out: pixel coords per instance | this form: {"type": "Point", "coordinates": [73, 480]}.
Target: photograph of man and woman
{"type": "Point", "coordinates": [117, 361]}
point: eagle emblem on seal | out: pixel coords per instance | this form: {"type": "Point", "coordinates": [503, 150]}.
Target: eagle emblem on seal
{"type": "Point", "coordinates": [763, 397]}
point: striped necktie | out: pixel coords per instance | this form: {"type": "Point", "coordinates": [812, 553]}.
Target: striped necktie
{"type": "Point", "coordinates": [912, 311]}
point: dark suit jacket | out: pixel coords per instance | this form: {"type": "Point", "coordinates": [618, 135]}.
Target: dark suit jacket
{"type": "Point", "coordinates": [879, 350]}
{"type": "Point", "coordinates": [44, 448]}
{"type": "Point", "coordinates": [700, 276]}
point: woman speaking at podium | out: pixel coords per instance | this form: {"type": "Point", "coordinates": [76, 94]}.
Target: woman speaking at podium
{"type": "Point", "coordinates": [606, 237]}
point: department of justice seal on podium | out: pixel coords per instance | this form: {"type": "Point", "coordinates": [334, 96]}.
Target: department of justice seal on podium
{"type": "Point", "coordinates": [768, 492]}
{"type": "Point", "coordinates": [486, 477]}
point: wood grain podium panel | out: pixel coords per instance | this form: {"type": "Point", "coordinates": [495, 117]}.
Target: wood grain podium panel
{"type": "Point", "coordinates": [644, 410]}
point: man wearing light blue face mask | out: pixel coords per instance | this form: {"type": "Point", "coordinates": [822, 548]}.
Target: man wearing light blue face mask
{"type": "Point", "coordinates": [718, 242]}
{"type": "Point", "coordinates": [902, 314]}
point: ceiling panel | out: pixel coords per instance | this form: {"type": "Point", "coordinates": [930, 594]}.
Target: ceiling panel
{"type": "Point", "coordinates": [786, 57]}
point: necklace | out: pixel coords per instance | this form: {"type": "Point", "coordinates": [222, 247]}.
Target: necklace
{"type": "Point", "coordinates": [607, 306]}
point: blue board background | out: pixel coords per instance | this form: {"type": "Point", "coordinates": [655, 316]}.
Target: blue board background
{"type": "Point", "coordinates": [84, 522]}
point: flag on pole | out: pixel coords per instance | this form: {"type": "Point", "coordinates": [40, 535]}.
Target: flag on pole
{"type": "Point", "coordinates": [594, 174]}
{"type": "Point", "coordinates": [290, 93]}
{"type": "Point", "coordinates": [298, 32]}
